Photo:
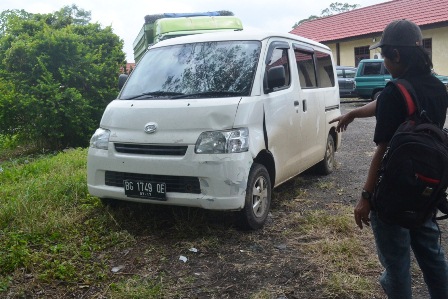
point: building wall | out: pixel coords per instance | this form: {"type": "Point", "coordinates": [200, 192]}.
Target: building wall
{"type": "Point", "coordinates": [439, 38]}
{"type": "Point", "coordinates": [347, 50]}
{"type": "Point", "coordinates": [439, 49]}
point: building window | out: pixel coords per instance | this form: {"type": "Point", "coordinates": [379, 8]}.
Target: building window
{"type": "Point", "coordinates": [361, 53]}
{"type": "Point", "coordinates": [427, 45]}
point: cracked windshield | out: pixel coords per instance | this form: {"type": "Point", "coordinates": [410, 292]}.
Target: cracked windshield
{"type": "Point", "coordinates": [216, 69]}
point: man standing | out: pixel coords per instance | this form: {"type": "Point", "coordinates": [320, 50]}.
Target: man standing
{"type": "Point", "coordinates": [405, 58]}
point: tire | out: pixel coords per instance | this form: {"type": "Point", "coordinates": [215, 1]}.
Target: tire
{"type": "Point", "coordinates": [376, 95]}
{"type": "Point", "coordinates": [258, 199]}
{"type": "Point", "coordinates": [327, 165]}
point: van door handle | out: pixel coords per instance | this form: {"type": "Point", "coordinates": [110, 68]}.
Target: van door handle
{"type": "Point", "coordinates": [304, 105]}
{"type": "Point", "coordinates": [296, 106]}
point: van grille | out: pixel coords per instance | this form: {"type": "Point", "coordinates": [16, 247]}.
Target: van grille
{"type": "Point", "coordinates": [148, 149]}
{"type": "Point", "coordinates": [181, 184]}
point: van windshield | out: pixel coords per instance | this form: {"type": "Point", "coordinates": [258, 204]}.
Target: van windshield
{"type": "Point", "coordinates": [197, 70]}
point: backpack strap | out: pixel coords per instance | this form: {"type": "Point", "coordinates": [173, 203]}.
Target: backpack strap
{"type": "Point", "coordinates": [409, 95]}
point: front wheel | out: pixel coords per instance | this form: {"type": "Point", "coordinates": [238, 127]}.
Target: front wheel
{"type": "Point", "coordinates": [258, 198]}
{"type": "Point", "coordinates": [327, 165]}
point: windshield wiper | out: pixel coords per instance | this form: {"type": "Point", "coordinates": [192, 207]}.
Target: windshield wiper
{"type": "Point", "coordinates": [152, 94]}
{"type": "Point", "coordinates": [209, 94]}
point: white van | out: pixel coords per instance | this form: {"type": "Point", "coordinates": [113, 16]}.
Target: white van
{"type": "Point", "coordinates": [216, 121]}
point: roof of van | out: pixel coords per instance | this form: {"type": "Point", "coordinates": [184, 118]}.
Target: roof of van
{"type": "Point", "coordinates": [235, 35]}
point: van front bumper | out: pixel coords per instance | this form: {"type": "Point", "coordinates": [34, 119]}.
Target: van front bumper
{"type": "Point", "coordinates": [209, 181]}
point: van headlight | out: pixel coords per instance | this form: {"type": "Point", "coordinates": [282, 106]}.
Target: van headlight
{"type": "Point", "coordinates": [100, 139]}
{"type": "Point", "coordinates": [223, 142]}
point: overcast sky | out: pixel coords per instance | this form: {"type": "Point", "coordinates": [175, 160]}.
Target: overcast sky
{"type": "Point", "coordinates": [127, 17]}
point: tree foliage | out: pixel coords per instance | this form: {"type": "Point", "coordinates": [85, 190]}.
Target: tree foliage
{"type": "Point", "coordinates": [57, 73]}
{"type": "Point", "coordinates": [334, 8]}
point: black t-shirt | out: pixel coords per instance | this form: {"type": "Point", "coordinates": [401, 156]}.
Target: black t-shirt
{"type": "Point", "coordinates": [391, 107]}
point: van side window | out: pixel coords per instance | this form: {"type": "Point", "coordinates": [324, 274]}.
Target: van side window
{"type": "Point", "coordinates": [324, 69]}
{"type": "Point", "coordinates": [305, 67]}
{"type": "Point", "coordinates": [280, 57]}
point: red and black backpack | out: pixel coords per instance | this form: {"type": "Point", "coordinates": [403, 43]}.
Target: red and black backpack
{"type": "Point", "coordinates": [413, 177]}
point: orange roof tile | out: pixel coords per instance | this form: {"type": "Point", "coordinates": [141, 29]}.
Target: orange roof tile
{"type": "Point", "coordinates": [373, 19]}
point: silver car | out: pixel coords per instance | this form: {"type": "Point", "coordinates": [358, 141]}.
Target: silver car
{"type": "Point", "coordinates": [346, 79]}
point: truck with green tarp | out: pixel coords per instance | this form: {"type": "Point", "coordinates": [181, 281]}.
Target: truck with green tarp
{"type": "Point", "coordinates": [168, 25]}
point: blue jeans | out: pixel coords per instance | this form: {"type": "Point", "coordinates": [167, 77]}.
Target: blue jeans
{"type": "Point", "coordinates": [394, 245]}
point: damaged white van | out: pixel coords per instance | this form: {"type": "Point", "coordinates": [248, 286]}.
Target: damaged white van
{"type": "Point", "coordinates": [216, 121]}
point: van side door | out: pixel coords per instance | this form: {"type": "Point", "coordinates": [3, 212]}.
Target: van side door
{"type": "Point", "coordinates": [312, 107]}
{"type": "Point", "coordinates": [281, 112]}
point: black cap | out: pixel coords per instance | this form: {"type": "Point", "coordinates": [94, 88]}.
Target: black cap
{"type": "Point", "coordinates": [400, 33]}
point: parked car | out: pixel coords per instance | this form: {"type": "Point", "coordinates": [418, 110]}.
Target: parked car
{"type": "Point", "coordinates": [215, 121]}
{"type": "Point", "coordinates": [346, 80]}
{"type": "Point", "coordinates": [372, 76]}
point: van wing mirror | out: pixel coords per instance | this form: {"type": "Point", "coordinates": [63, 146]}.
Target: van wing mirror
{"type": "Point", "coordinates": [121, 80]}
{"type": "Point", "coordinates": [276, 77]}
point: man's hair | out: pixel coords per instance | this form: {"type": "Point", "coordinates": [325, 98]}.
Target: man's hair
{"type": "Point", "coordinates": [415, 58]}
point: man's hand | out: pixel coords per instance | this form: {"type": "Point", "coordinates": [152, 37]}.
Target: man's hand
{"type": "Point", "coordinates": [362, 212]}
{"type": "Point", "coordinates": [343, 121]}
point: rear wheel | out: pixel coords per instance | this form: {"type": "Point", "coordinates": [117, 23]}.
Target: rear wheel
{"type": "Point", "coordinates": [327, 165]}
{"type": "Point", "coordinates": [258, 198]}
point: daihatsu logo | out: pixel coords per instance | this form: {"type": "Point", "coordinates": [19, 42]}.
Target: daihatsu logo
{"type": "Point", "coordinates": [151, 128]}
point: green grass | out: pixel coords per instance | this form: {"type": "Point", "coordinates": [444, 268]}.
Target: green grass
{"type": "Point", "coordinates": [57, 236]}
{"type": "Point", "coordinates": [49, 225]}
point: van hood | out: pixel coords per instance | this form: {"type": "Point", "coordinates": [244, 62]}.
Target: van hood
{"type": "Point", "coordinates": [176, 121]}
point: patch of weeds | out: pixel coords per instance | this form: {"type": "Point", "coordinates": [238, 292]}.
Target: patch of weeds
{"type": "Point", "coordinates": [343, 285]}
{"type": "Point", "coordinates": [14, 252]}
{"type": "Point", "coordinates": [290, 190]}
{"type": "Point", "coordinates": [326, 222]}
{"type": "Point", "coordinates": [5, 281]}
{"type": "Point", "coordinates": [211, 242]}
{"type": "Point", "coordinates": [138, 287]}
{"type": "Point", "coordinates": [325, 185]}
{"type": "Point", "coordinates": [58, 269]}
{"type": "Point", "coordinates": [335, 247]}
{"type": "Point", "coordinates": [263, 294]}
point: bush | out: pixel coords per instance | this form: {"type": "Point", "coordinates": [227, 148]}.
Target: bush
{"type": "Point", "coordinates": [57, 74]}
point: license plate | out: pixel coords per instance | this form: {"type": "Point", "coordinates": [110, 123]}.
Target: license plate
{"type": "Point", "coordinates": [143, 189]}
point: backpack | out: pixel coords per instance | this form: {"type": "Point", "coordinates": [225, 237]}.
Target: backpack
{"type": "Point", "coordinates": [413, 176]}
